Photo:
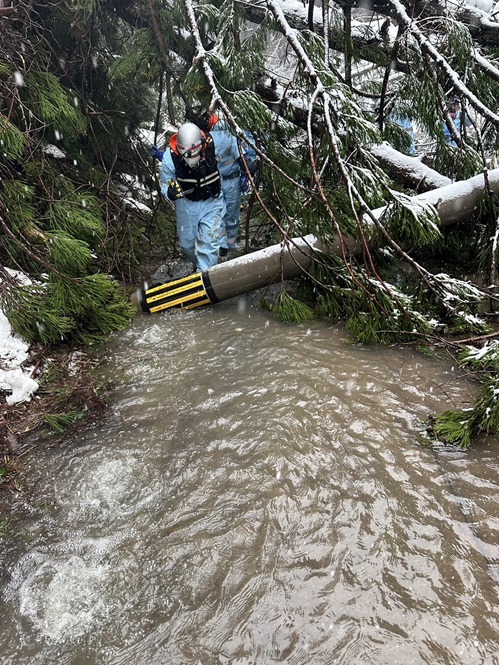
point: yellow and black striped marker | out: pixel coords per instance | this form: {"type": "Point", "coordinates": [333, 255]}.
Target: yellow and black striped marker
{"type": "Point", "coordinates": [232, 278]}
{"type": "Point", "coordinates": [189, 292]}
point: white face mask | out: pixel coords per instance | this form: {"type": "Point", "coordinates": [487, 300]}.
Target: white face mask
{"type": "Point", "coordinates": [192, 162]}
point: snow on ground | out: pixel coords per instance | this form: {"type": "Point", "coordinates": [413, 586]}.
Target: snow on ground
{"type": "Point", "coordinates": [14, 376]}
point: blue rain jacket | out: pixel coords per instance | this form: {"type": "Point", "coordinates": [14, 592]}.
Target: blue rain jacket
{"type": "Point", "coordinates": [457, 124]}
{"type": "Point", "coordinates": [230, 172]}
{"type": "Point", "coordinates": [200, 224]}
{"type": "Point", "coordinates": [405, 123]}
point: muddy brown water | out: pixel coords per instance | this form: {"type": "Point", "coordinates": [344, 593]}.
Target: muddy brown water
{"type": "Point", "coordinates": [259, 494]}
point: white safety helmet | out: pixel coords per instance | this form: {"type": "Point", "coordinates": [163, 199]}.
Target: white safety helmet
{"type": "Point", "coordinates": [190, 141]}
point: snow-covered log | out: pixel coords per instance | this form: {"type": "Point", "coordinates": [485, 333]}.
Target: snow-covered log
{"type": "Point", "coordinates": [409, 171]}
{"type": "Point", "coordinates": [456, 202]}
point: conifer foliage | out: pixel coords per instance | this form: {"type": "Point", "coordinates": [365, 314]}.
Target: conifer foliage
{"type": "Point", "coordinates": [64, 131]}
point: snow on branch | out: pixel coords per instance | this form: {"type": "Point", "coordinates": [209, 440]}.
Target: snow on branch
{"type": "Point", "coordinates": [428, 48]}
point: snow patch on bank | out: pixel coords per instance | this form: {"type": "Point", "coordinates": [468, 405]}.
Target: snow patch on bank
{"type": "Point", "coordinates": [14, 377]}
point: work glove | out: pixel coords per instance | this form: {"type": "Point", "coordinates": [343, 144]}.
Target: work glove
{"type": "Point", "coordinates": [244, 183]}
{"type": "Point", "coordinates": [156, 153]}
{"type": "Point", "coordinates": [174, 191]}
{"type": "Point", "coordinates": [252, 165]}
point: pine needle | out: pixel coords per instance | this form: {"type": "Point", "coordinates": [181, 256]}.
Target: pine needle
{"type": "Point", "coordinates": [59, 422]}
{"type": "Point", "coordinates": [289, 309]}
{"type": "Point", "coordinates": [455, 427]}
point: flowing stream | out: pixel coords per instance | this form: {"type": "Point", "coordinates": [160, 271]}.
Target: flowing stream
{"type": "Point", "coordinates": [258, 494]}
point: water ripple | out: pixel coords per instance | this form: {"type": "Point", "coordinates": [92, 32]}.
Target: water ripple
{"type": "Point", "coordinates": [258, 495]}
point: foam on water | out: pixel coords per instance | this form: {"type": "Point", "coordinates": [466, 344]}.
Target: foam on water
{"type": "Point", "coordinates": [64, 598]}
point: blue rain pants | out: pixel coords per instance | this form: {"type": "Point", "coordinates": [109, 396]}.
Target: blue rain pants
{"type": "Point", "coordinates": [231, 190]}
{"type": "Point", "coordinates": [199, 225]}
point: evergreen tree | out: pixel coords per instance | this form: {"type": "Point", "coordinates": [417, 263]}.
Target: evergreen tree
{"type": "Point", "coordinates": [321, 173]}
{"type": "Point", "coordinates": [66, 134]}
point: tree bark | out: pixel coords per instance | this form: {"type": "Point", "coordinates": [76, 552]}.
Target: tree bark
{"type": "Point", "coordinates": [456, 202]}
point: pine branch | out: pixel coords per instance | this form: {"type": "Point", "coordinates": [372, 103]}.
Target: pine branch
{"type": "Point", "coordinates": [428, 48]}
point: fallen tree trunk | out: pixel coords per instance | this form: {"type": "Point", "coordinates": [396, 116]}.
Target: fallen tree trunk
{"type": "Point", "coordinates": [457, 201]}
{"type": "Point", "coordinates": [409, 171]}
{"type": "Point", "coordinates": [290, 258]}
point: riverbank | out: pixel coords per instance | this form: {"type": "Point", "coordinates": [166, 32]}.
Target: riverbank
{"type": "Point", "coordinates": [69, 397]}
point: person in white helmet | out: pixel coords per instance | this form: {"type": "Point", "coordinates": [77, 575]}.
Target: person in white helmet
{"type": "Point", "coordinates": [189, 177]}
{"type": "Point", "coordinates": [232, 171]}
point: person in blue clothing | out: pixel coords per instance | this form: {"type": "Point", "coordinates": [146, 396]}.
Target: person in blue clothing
{"type": "Point", "coordinates": [232, 172]}
{"type": "Point", "coordinates": [455, 113]}
{"type": "Point", "coordinates": [189, 177]}
{"type": "Point", "coordinates": [251, 159]}
{"type": "Point", "coordinates": [405, 123]}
